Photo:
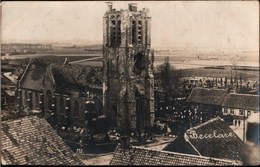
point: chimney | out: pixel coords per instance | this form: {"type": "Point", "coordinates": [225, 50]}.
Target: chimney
{"type": "Point", "coordinates": [132, 7]}
{"type": "Point", "coordinates": [109, 6]}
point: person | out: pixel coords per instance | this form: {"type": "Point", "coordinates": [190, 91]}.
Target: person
{"type": "Point", "coordinates": [235, 122]}
{"type": "Point", "coordinates": [239, 123]}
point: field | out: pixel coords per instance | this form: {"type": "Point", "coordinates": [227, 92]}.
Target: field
{"type": "Point", "coordinates": [189, 62]}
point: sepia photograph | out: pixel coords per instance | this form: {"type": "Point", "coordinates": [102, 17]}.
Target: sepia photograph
{"type": "Point", "coordinates": [171, 83]}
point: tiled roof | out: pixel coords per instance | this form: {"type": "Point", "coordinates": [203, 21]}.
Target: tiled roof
{"type": "Point", "coordinates": [33, 76]}
{"type": "Point", "coordinates": [31, 140]}
{"type": "Point", "coordinates": [71, 77]}
{"type": "Point", "coordinates": [219, 145]}
{"type": "Point", "coordinates": [181, 146]}
{"type": "Point", "coordinates": [143, 156]}
{"type": "Point", "coordinates": [207, 96]}
{"type": "Point", "coordinates": [237, 100]}
{"type": "Point", "coordinates": [76, 76]}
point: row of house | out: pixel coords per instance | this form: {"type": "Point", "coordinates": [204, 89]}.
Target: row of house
{"type": "Point", "coordinates": [215, 100]}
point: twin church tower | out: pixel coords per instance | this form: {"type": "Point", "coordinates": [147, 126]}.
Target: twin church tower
{"type": "Point", "coordinates": [128, 86]}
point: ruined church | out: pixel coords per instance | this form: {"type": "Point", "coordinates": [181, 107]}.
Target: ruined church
{"type": "Point", "coordinates": [128, 86]}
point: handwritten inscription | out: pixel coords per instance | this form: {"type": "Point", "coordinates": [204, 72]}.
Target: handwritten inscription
{"type": "Point", "coordinates": [214, 134]}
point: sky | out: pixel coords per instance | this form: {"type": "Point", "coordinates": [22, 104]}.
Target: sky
{"type": "Point", "coordinates": [232, 25]}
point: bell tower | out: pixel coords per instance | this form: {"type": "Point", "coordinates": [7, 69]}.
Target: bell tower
{"type": "Point", "coordinates": [128, 87]}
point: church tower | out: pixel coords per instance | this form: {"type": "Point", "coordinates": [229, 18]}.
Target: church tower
{"type": "Point", "coordinates": [128, 86]}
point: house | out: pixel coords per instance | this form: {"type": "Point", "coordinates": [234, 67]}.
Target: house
{"type": "Point", "coordinates": [220, 102]}
{"type": "Point", "coordinates": [8, 86]}
{"type": "Point", "coordinates": [213, 138]}
{"type": "Point", "coordinates": [59, 91]}
{"type": "Point", "coordinates": [143, 156]}
{"type": "Point", "coordinates": [240, 105]}
{"type": "Point", "coordinates": [207, 103]}
{"type": "Point", "coordinates": [32, 141]}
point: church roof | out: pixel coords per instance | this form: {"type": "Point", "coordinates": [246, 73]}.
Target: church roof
{"type": "Point", "coordinates": [64, 77]}
{"type": "Point", "coordinates": [33, 76]}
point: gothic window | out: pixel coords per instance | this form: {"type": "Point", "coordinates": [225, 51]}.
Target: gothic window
{"type": "Point", "coordinates": [36, 99]}
{"type": "Point", "coordinates": [138, 63]}
{"type": "Point", "coordinates": [76, 108]}
{"type": "Point", "coordinates": [117, 66]}
{"type": "Point", "coordinates": [113, 35]}
{"type": "Point", "coordinates": [133, 31]}
{"type": "Point", "coordinates": [119, 31]}
{"type": "Point", "coordinates": [115, 30]}
{"type": "Point", "coordinates": [139, 32]}
{"type": "Point", "coordinates": [48, 100]}
{"type": "Point", "coordinates": [139, 110]}
{"type": "Point", "coordinates": [62, 107]}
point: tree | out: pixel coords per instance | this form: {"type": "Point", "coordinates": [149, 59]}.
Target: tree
{"type": "Point", "coordinates": [169, 79]}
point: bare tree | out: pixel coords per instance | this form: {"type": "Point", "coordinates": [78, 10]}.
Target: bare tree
{"type": "Point", "coordinates": [169, 79]}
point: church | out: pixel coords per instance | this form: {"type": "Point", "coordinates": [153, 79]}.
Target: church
{"type": "Point", "coordinates": [128, 81]}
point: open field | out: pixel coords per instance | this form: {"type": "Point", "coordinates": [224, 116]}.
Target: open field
{"type": "Point", "coordinates": [190, 63]}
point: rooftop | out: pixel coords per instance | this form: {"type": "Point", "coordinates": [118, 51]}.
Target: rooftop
{"type": "Point", "coordinates": [143, 156]}
{"type": "Point", "coordinates": [32, 141]}
{"type": "Point", "coordinates": [64, 77]}
{"type": "Point", "coordinates": [242, 101]}
{"type": "Point", "coordinates": [207, 96]}
{"type": "Point", "coordinates": [213, 138]}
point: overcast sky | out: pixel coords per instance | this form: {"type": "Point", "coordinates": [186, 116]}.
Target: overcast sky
{"type": "Point", "coordinates": [232, 25]}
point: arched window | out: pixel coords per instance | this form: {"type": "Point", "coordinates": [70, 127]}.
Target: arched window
{"type": "Point", "coordinates": [48, 99]}
{"type": "Point", "coordinates": [118, 32]}
{"type": "Point", "coordinates": [62, 108]}
{"type": "Point", "coordinates": [133, 31]}
{"type": "Point", "coordinates": [76, 108]}
{"type": "Point", "coordinates": [139, 111]}
{"type": "Point", "coordinates": [138, 63]}
{"type": "Point", "coordinates": [139, 32]}
{"type": "Point", "coordinates": [36, 99]}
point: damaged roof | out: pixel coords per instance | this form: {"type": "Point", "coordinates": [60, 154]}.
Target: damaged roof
{"type": "Point", "coordinates": [67, 76]}
{"type": "Point", "coordinates": [32, 141]}
{"type": "Point", "coordinates": [207, 96]}
{"type": "Point", "coordinates": [143, 156]}
{"type": "Point", "coordinates": [33, 76]}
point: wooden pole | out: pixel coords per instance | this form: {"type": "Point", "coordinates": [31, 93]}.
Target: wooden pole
{"type": "Point", "coordinates": [244, 118]}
